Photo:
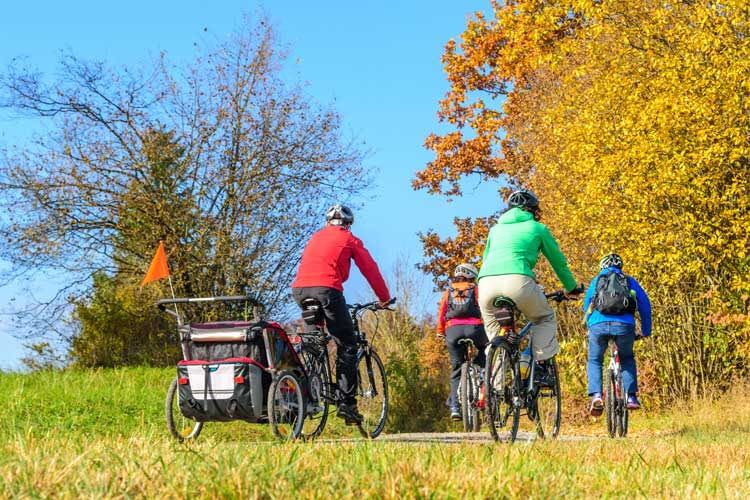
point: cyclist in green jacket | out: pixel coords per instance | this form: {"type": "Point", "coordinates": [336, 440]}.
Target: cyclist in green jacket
{"type": "Point", "coordinates": [512, 250]}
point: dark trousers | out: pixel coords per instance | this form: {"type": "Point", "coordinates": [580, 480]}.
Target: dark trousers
{"type": "Point", "coordinates": [339, 324]}
{"type": "Point", "coordinates": [458, 353]}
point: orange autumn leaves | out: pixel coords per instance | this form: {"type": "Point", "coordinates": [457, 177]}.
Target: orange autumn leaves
{"type": "Point", "coordinates": [629, 119]}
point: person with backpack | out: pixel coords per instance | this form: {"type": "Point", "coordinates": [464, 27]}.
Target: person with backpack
{"type": "Point", "coordinates": [610, 303]}
{"type": "Point", "coordinates": [459, 318]}
{"type": "Point", "coordinates": [513, 247]}
{"type": "Point", "coordinates": [323, 269]}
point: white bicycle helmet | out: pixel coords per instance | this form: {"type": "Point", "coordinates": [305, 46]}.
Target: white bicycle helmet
{"type": "Point", "coordinates": [466, 270]}
{"type": "Point", "coordinates": [339, 215]}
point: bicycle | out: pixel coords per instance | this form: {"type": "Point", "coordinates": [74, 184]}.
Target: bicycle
{"type": "Point", "coordinates": [372, 384]}
{"type": "Point", "coordinates": [615, 399]}
{"type": "Point", "coordinates": [508, 390]}
{"type": "Point", "coordinates": [469, 389]}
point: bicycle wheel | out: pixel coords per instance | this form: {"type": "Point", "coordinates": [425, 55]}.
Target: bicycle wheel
{"type": "Point", "coordinates": [475, 387]}
{"type": "Point", "coordinates": [318, 401]}
{"type": "Point", "coordinates": [623, 429]}
{"type": "Point", "coordinates": [622, 407]}
{"type": "Point", "coordinates": [286, 406]}
{"type": "Point", "coordinates": [372, 394]}
{"type": "Point", "coordinates": [548, 402]}
{"type": "Point", "coordinates": [501, 392]}
{"type": "Point", "coordinates": [181, 427]}
{"type": "Point", "coordinates": [610, 405]}
{"type": "Point", "coordinates": [463, 395]}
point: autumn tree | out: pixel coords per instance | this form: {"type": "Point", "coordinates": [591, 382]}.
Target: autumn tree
{"type": "Point", "coordinates": [221, 158]}
{"type": "Point", "coordinates": [630, 121]}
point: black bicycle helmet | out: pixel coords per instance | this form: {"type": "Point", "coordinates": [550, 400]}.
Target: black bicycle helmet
{"type": "Point", "coordinates": [340, 215]}
{"type": "Point", "coordinates": [524, 199]}
{"type": "Point", "coordinates": [611, 260]}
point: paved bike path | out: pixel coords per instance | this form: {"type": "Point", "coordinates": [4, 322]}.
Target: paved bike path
{"type": "Point", "coordinates": [455, 437]}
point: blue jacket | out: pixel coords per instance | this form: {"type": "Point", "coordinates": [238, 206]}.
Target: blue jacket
{"type": "Point", "coordinates": [644, 305]}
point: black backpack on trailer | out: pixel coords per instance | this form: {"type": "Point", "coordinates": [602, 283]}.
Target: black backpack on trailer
{"type": "Point", "coordinates": [613, 295]}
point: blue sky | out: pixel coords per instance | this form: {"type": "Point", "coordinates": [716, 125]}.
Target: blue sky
{"type": "Point", "coordinates": [380, 66]}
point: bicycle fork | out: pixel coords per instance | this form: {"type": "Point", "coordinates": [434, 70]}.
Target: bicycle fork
{"type": "Point", "coordinates": [373, 391]}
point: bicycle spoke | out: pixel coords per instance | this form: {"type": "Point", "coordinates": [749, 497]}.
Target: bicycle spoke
{"type": "Point", "coordinates": [500, 387]}
{"type": "Point", "coordinates": [286, 406]}
{"type": "Point", "coordinates": [315, 361]}
{"type": "Point", "coordinates": [548, 406]}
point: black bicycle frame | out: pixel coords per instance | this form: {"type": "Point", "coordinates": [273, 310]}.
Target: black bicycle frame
{"type": "Point", "coordinates": [332, 395]}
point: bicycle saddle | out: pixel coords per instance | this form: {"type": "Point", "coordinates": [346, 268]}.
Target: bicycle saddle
{"type": "Point", "coordinates": [312, 311]}
{"type": "Point", "coordinates": [310, 303]}
{"type": "Point", "coordinates": [505, 311]}
{"type": "Point", "coordinates": [503, 301]}
{"type": "Point", "coordinates": [466, 341]}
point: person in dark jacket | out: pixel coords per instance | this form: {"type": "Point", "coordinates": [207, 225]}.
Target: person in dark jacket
{"type": "Point", "coordinates": [604, 327]}
{"type": "Point", "coordinates": [323, 269]}
{"type": "Point", "coordinates": [459, 318]}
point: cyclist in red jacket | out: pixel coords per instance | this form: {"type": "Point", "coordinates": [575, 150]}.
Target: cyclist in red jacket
{"type": "Point", "coordinates": [324, 268]}
{"type": "Point", "coordinates": [459, 318]}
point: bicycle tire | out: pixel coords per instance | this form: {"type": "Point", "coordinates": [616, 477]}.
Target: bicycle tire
{"type": "Point", "coordinates": [174, 417]}
{"type": "Point", "coordinates": [319, 383]}
{"type": "Point", "coordinates": [622, 414]}
{"type": "Point", "coordinates": [286, 406]}
{"type": "Point", "coordinates": [500, 393]}
{"type": "Point", "coordinates": [475, 386]}
{"type": "Point", "coordinates": [610, 407]}
{"type": "Point", "coordinates": [372, 385]}
{"type": "Point", "coordinates": [553, 417]}
{"type": "Point", "coordinates": [463, 395]}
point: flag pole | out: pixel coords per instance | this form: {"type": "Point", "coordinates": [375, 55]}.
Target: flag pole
{"type": "Point", "coordinates": [179, 322]}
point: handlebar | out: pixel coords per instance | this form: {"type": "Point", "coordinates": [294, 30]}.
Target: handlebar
{"type": "Point", "coordinates": [371, 306]}
{"type": "Point", "coordinates": [562, 295]}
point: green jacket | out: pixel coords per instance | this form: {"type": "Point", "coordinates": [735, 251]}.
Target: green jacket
{"type": "Point", "coordinates": [513, 247]}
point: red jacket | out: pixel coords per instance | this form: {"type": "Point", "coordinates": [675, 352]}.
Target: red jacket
{"type": "Point", "coordinates": [327, 258]}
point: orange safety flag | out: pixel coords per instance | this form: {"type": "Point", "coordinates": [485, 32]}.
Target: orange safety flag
{"type": "Point", "coordinates": [159, 268]}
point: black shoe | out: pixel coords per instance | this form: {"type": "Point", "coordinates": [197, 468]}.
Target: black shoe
{"type": "Point", "coordinates": [350, 414]}
{"type": "Point", "coordinates": [543, 376]}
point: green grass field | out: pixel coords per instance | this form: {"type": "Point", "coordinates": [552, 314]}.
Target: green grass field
{"type": "Point", "coordinates": [102, 434]}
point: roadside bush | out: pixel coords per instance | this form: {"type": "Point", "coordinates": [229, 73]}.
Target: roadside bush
{"type": "Point", "coordinates": [120, 326]}
{"type": "Point", "coordinates": [415, 361]}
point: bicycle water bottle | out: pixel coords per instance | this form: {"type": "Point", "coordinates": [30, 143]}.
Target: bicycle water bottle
{"type": "Point", "coordinates": [524, 362]}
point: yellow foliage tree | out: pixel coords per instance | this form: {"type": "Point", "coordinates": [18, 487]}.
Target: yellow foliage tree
{"type": "Point", "coordinates": [631, 121]}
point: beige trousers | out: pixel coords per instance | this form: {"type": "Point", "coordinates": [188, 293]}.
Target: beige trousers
{"type": "Point", "coordinates": [530, 300]}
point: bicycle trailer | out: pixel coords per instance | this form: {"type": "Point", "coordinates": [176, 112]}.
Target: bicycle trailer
{"type": "Point", "coordinates": [228, 368]}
